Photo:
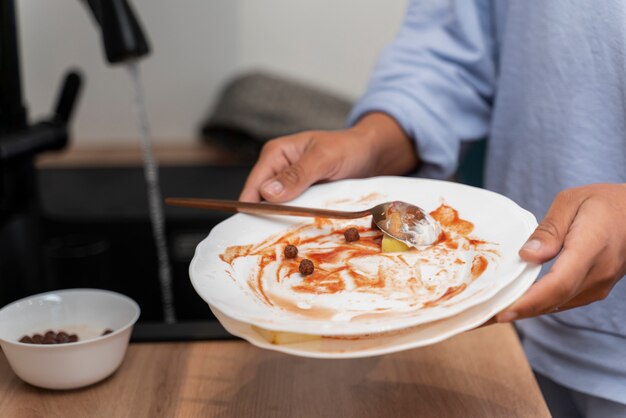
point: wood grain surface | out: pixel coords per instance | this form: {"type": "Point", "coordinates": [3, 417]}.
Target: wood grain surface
{"type": "Point", "coordinates": [482, 373]}
{"type": "Point", "coordinates": [130, 155]}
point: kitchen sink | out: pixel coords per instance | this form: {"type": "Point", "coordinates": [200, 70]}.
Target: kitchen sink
{"type": "Point", "coordinates": [96, 233]}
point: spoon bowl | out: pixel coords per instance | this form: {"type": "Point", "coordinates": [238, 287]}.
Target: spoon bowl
{"type": "Point", "coordinates": [402, 221]}
{"type": "Point", "coordinates": [407, 223]}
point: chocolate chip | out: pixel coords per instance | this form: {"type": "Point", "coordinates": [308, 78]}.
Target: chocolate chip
{"type": "Point", "coordinates": [306, 267]}
{"type": "Point", "coordinates": [291, 251]}
{"type": "Point", "coordinates": [351, 234]}
{"type": "Point", "coordinates": [48, 339]}
{"type": "Point", "coordinates": [107, 331]}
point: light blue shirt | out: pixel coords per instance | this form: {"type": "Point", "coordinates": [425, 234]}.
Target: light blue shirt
{"type": "Point", "coordinates": [545, 81]}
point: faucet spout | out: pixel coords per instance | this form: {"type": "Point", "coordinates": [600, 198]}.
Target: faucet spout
{"type": "Point", "coordinates": [122, 34]}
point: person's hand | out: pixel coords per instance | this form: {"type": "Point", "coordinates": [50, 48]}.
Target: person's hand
{"type": "Point", "coordinates": [586, 228]}
{"type": "Point", "coordinates": [376, 145]}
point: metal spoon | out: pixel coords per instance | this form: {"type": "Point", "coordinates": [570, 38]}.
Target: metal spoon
{"type": "Point", "coordinates": [402, 221]}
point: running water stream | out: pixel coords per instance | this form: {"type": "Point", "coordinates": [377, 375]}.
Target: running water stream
{"type": "Point", "coordinates": [155, 201]}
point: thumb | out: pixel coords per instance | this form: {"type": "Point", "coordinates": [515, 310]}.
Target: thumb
{"type": "Point", "coordinates": [546, 242]}
{"type": "Point", "coordinates": [295, 178]}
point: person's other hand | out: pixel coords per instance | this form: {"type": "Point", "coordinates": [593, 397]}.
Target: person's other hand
{"type": "Point", "coordinates": [586, 228]}
{"type": "Point", "coordinates": [376, 145]}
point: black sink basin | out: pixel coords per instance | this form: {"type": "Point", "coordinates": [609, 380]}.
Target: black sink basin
{"type": "Point", "coordinates": [97, 234]}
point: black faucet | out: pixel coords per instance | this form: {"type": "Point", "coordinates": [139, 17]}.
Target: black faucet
{"type": "Point", "coordinates": [122, 37]}
{"type": "Point", "coordinates": [20, 259]}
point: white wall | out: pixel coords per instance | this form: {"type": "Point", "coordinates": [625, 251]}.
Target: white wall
{"type": "Point", "coordinates": [197, 46]}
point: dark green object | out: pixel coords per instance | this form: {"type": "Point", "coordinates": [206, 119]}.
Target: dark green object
{"type": "Point", "coordinates": [472, 164]}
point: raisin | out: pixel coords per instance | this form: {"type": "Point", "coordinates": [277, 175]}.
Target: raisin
{"type": "Point", "coordinates": [351, 234]}
{"type": "Point", "coordinates": [49, 339]}
{"type": "Point", "coordinates": [291, 251]}
{"type": "Point", "coordinates": [306, 267]}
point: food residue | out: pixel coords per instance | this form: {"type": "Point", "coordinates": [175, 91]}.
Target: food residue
{"type": "Point", "coordinates": [331, 269]}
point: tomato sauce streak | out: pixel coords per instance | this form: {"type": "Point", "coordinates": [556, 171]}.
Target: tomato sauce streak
{"type": "Point", "coordinates": [448, 218]}
{"type": "Point", "coordinates": [477, 242]}
{"type": "Point", "coordinates": [450, 292]}
{"type": "Point", "coordinates": [361, 281]}
{"type": "Point", "coordinates": [331, 249]}
{"type": "Point", "coordinates": [322, 282]}
{"type": "Point", "coordinates": [479, 265]}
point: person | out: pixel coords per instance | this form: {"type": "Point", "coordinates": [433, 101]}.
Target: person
{"type": "Point", "coordinates": [545, 81]}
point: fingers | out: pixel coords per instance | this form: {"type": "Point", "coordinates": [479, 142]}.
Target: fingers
{"type": "Point", "coordinates": [560, 285]}
{"type": "Point", "coordinates": [592, 259]}
{"type": "Point", "coordinates": [376, 145]}
{"type": "Point", "coordinates": [313, 165]}
{"type": "Point", "coordinates": [597, 287]}
{"type": "Point", "coordinates": [547, 240]}
{"type": "Point", "coordinates": [276, 156]}
{"type": "Point", "coordinates": [289, 165]}
{"type": "Point", "coordinates": [568, 278]}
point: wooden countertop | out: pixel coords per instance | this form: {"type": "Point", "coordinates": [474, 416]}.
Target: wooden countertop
{"type": "Point", "coordinates": [166, 154]}
{"type": "Point", "coordinates": [482, 373]}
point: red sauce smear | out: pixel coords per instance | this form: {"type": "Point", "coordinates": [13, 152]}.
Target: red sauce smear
{"type": "Point", "coordinates": [479, 265]}
{"type": "Point", "coordinates": [448, 218]}
{"type": "Point", "coordinates": [324, 281]}
{"type": "Point", "coordinates": [449, 293]}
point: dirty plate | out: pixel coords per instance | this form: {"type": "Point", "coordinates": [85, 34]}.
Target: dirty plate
{"type": "Point", "coordinates": [240, 270]}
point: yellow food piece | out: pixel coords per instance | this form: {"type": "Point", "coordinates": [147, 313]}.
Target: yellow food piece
{"type": "Point", "coordinates": [279, 338]}
{"type": "Point", "coordinates": [391, 245]}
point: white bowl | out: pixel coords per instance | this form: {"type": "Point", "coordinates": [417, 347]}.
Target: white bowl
{"type": "Point", "coordinates": [86, 312]}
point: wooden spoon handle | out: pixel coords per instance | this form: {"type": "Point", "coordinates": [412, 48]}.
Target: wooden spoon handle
{"type": "Point", "coordinates": [263, 208]}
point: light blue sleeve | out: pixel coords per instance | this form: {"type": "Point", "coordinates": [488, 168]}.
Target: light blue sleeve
{"type": "Point", "coordinates": [436, 79]}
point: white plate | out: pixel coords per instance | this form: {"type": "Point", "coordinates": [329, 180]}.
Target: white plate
{"type": "Point", "coordinates": [379, 344]}
{"type": "Point", "coordinates": [496, 220]}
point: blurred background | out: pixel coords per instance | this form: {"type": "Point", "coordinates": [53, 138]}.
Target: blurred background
{"type": "Point", "coordinates": [197, 47]}
{"type": "Point", "coordinates": [222, 77]}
